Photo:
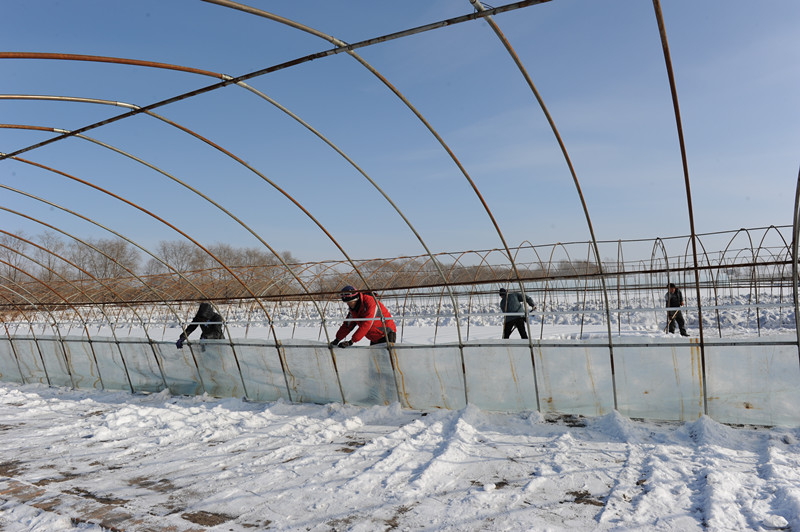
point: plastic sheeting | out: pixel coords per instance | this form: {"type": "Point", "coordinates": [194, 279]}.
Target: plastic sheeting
{"type": "Point", "coordinates": [31, 359]}
{"type": "Point", "coordinates": [310, 372]}
{"type": "Point", "coordinates": [575, 379]}
{"type": "Point", "coordinates": [367, 376]}
{"type": "Point", "coordinates": [142, 364]}
{"type": "Point", "coordinates": [753, 384]}
{"type": "Point", "coordinates": [180, 369]}
{"type": "Point", "coordinates": [262, 370]}
{"type": "Point", "coordinates": [218, 368]}
{"type": "Point", "coordinates": [430, 376]}
{"type": "Point", "coordinates": [752, 381]}
{"type": "Point", "coordinates": [82, 367]}
{"type": "Point", "coordinates": [500, 376]}
{"type": "Point", "coordinates": [9, 368]}
{"type": "Point", "coordinates": [659, 380]}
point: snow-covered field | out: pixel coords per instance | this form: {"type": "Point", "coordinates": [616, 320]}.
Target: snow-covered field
{"type": "Point", "coordinates": [89, 460]}
{"type": "Point", "coordinates": [77, 460]}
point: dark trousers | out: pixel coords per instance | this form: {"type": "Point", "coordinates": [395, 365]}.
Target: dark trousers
{"type": "Point", "coordinates": [212, 334]}
{"type": "Point", "coordinates": [674, 317]}
{"type": "Point", "coordinates": [391, 335]}
{"type": "Point", "coordinates": [515, 323]}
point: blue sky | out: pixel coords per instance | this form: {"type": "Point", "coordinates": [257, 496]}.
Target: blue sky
{"type": "Point", "coordinates": [598, 65]}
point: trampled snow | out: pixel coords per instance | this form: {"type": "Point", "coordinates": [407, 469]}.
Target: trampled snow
{"type": "Point", "coordinates": [78, 460]}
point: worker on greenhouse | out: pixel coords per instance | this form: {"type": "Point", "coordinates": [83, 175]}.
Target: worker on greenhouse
{"type": "Point", "coordinates": [368, 316]}
{"type": "Point", "coordinates": [210, 324]}
{"type": "Point", "coordinates": [512, 306]}
{"type": "Point", "coordinates": [674, 300]}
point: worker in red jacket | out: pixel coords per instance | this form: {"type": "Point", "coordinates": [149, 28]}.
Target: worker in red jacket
{"type": "Point", "coordinates": [374, 321]}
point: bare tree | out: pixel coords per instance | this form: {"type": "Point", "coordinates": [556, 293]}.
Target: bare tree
{"type": "Point", "coordinates": [105, 258]}
{"type": "Point", "coordinates": [177, 254]}
{"type": "Point", "coordinates": [51, 265]}
{"type": "Point", "coordinates": [12, 261]}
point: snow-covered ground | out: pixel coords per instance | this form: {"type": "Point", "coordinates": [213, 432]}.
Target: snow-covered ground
{"type": "Point", "coordinates": [90, 460]}
{"type": "Point", "coordinates": [78, 460]}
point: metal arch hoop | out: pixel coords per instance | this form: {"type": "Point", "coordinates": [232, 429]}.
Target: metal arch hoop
{"type": "Point", "coordinates": [478, 6]}
{"type": "Point", "coordinates": [795, 273]}
{"type": "Point", "coordinates": [678, 123]}
{"type": "Point", "coordinates": [102, 310]}
{"type": "Point", "coordinates": [144, 283]}
{"type": "Point", "coordinates": [55, 327]}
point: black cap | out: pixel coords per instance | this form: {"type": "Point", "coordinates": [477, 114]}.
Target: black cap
{"type": "Point", "coordinates": [349, 293]}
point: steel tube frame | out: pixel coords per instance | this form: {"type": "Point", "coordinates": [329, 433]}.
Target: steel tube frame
{"type": "Point", "coordinates": [678, 123]}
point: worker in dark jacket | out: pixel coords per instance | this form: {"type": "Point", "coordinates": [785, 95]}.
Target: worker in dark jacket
{"type": "Point", "coordinates": [513, 303]}
{"type": "Point", "coordinates": [674, 300]}
{"type": "Point", "coordinates": [374, 321]}
{"type": "Point", "coordinates": [210, 324]}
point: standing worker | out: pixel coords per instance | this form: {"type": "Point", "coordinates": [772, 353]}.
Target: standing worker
{"type": "Point", "coordinates": [374, 323]}
{"type": "Point", "coordinates": [674, 300]}
{"type": "Point", "coordinates": [513, 303]}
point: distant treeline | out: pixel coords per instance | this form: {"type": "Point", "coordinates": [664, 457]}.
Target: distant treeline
{"type": "Point", "coordinates": [47, 270]}
{"type": "Point", "coordinates": [48, 257]}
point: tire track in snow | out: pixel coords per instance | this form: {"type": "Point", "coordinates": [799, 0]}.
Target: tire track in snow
{"type": "Point", "coordinates": [369, 476]}
{"type": "Point", "coordinates": [657, 487]}
{"type": "Point", "coordinates": [727, 475]}
{"type": "Point", "coordinates": [736, 478]}
{"type": "Point", "coordinates": [421, 466]}
{"type": "Point", "coordinates": [396, 460]}
{"type": "Point", "coordinates": [616, 502]}
{"type": "Point", "coordinates": [779, 469]}
{"type": "Point", "coordinates": [628, 487]}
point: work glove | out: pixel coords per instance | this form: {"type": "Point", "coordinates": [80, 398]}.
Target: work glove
{"type": "Point", "coordinates": [333, 344]}
{"type": "Point", "coordinates": [179, 343]}
{"type": "Point", "coordinates": [346, 343]}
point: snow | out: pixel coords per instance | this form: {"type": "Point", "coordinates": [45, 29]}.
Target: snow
{"type": "Point", "coordinates": [89, 460]}
{"type": "Point", "coordinates": [78, 460]}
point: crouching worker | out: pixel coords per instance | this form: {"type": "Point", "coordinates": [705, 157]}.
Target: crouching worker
{"type": "Point", "coordinates": [210, 325]}
{"type": "Point", "coordinates": [374, 321]}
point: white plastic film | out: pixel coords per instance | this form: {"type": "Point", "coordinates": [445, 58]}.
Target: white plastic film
{"type": "Point", "coordinates": [9, 369]}
{"type": "Point", "coordinates": [366, 375]}
{"type": "Point", "coordinates": [218, 368]}
{"type": "Point", "coordinates": [180, 369]}
{"type": "Point", "coordinates": [81, 362]}
{"type": "Point", "coordinates": [142, 365]}
{"type": "Point", "coordinates": [30, 361]}
{"type": "Point", "coordinates": [658, 380]}
{"type": "Point", "coordinates": [753, 384]}
{"type": "Point", "coordinates": [310, 372]}
{"type": "Point", "coordinates": [52, 352]}
{"type": "Point", "coordinates": [574, 379]}
{"type": "Point", "coordinates": [500, 376]}
{"type": "Point", "coordinates": [261, 370]}
{"type": "Point", "coordinates": [430, 376]}
{"type": "Point", "coordinates": [112, 371]}
{"type": "Point", "coordinates": [752, 381]}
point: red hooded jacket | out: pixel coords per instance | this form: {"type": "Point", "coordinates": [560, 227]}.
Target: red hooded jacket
{"type": "Point", "coordinates": [372, 329]}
